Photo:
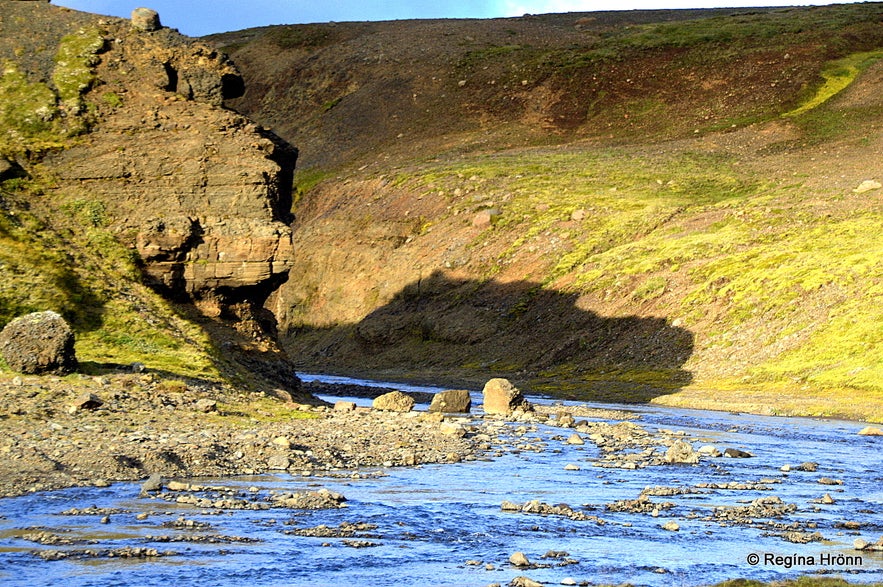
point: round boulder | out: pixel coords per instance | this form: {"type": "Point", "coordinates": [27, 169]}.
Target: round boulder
{"type": "Point", "coordinates": [501, 397]}
{"type": "Point", "coordinates": [451, 401]}
{"type": "Point", "coordinates": [394, 401]}
{"type": "Point", "coordinates": [38, 343]}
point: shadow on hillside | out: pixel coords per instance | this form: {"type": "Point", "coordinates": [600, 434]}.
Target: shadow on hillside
{"type": "Point", "coordinates": [466, 330]}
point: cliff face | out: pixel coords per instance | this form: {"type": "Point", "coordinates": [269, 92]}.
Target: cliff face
{"type": "Point", "coordinates": [201, 193]}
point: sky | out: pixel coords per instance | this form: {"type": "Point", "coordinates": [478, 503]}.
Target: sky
{"type": "Point", "coordinates": [201, 17]}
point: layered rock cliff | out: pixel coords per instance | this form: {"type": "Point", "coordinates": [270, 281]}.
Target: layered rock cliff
{"type": "Point", "coordinates": [201, 193]}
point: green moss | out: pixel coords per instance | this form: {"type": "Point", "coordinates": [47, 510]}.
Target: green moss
{"type": "Point", "coordinates": [28, 114]}
{"type": "Point", "coordinates": [837, 76]}
{"type": "Point", "coordinates": [75, 63]}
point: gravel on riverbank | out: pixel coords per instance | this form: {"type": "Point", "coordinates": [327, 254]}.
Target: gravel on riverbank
{"type": "Point", "coordinates": [80, 430]}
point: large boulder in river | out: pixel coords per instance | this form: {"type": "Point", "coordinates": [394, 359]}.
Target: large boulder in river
{"type": "Point", "coordinates": [451, 401]}
{"type": "Point", "coordinates": [394, 401]}
{"type": "Point", "coordinates": [38, 343]}
{"type": "Point", "coordinates": [681, 452]}
{"type": "Point", "coordinates": [501, 397]}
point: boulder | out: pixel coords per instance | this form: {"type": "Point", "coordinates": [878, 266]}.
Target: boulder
{"type": "Point", "coordinates": [38, 343]}
{"type": "Point", "coordinates": [501, 397]}
{"type": "Point", "coordinates": [344, 406]}
{"type": "Point", "coordinates": [486, 218]}
{"type": "Point", "coordinates": [87, 401]}
{"type": "Point", "coordinates": [519, 560]}
{"type": "Point", "coordinates": [451, 401]}
{"type": "Point", "coordinates": [145, 19]}
{"type": "Point", "coordinates": [394, 401]}
{"type": "Point", "coordinates": [575, 439]}
{"type": "Point", "coordinates": [870, 431]}
{"type": "Point", "coordinates": [735, 453]}
{"type": "Point", "coordinates": [682, 453]}
{"type": "Point", "coordinates": [206, 405]}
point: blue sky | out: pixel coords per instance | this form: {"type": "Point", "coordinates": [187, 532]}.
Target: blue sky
{"type": "Point", "coordinates": [202, 17]}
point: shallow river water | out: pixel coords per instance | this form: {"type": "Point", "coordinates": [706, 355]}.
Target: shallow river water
{"type": "Point", "coordinates": [441, 525]}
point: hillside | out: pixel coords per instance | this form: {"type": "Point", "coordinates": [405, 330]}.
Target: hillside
{"type": "Point", "coordinates": [672, 205]}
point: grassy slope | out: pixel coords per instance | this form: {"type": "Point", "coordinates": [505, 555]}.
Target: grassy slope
{"type": "Point", "coordinates": [703, 161]}
{"type": "Point", "coordinates": [58, 254]}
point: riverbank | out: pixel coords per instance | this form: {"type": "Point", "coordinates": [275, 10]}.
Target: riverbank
{"type": "Point", "coordinates": [647, 494]}
{"type": "Point", "coordinates": [81, 431]}
{"type": "Point", "coordinates": [772, 400]}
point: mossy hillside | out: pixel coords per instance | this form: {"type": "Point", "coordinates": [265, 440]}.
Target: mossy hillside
{"type": "Point", "coordinates": [698, 239]}
{"type": "Point", "coordinates": [60, 256]}
{"type": "Point", "coordinates": [37, 117]}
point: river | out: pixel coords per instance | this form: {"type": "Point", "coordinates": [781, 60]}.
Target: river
{"type": "Point", "coordinates": [439, 525]}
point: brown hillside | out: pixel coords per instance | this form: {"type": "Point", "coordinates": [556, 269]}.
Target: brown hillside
{"type": "Point", "coordinates": [652, 213]}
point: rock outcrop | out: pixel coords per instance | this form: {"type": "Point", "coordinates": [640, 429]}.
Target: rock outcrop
{"type": "Point", "coordinates": [202, 194]}
{"type": "Point", "coordinates": [38, 343]}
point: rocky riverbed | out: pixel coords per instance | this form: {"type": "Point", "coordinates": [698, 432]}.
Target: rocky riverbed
{"type": "Point", "coordinates": [547, 489]}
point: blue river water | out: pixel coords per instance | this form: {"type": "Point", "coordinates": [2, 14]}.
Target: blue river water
{"type": "Point", "coordinates": [443, 525]}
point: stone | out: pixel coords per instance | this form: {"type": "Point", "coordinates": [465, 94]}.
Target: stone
{"type": "Point", "coordinates": [278, 463]}
{"type": "Point", "coordinates": [146, 20]}
{"type": "Point", "coordinates": [575, 439]}
{"type": "Point", "coordinates": [578, 215]}
{"type": "Point", "coordinates": [87, 401]}
{"type": "Point", "coordinates": [524, 582]}
{"type": "Point", "coordinates": [709, 451]}
{"type": "Point", "coordinates": [394, 401]}
{"type": "Point", "coordinates": [153, 484]}
{"type": "Point", "coordinates": [565, 420]}
{"type": "Point", "coordinates": [681, 452]}
{"type": "Point", "coordinates": [452, 429]}
{"type": "Point", "coordinates": [827, 499]}
{"type": "Point", "coordinates": [344, 406]}
{"type": "Point", "coordinates": [452, 401]}
{"type": "Point", "coordinates": [735, 453]}
{"type": "Point", "coordinates": [501, 397]}
{"type": "Point", "coordinates": [38, 343]}
{"type": "Point", "coordinates": [206, 405]}
{"type": "Point", "coordinates": [519, 559]}
{"type": "Point", "coordinates": [485, 218]}
{"type": "Point", "coordinates": [867, 186]}
{"type": "Point", "coordinates": [870, 431]}
{"type": "Point", "coordinates": [860, 544]}
{"type": "Point", "coordinates": [671, 526]}
{"type": "Point", "coordinates": [571, 467]}
{"type": "Point", "coordinates": [808, 467]}
{"type": "Point", "coordinates": [785, 468]}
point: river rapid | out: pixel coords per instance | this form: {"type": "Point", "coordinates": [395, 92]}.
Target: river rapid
{"type": "Point", "coordinates": [438, 525]}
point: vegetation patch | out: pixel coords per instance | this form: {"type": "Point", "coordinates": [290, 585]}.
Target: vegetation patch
{"type": "Point", "coordinates": [837, 76]}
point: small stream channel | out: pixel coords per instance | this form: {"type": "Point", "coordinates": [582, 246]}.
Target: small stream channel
{"type": "Point", "coordinates": [439, 525]}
